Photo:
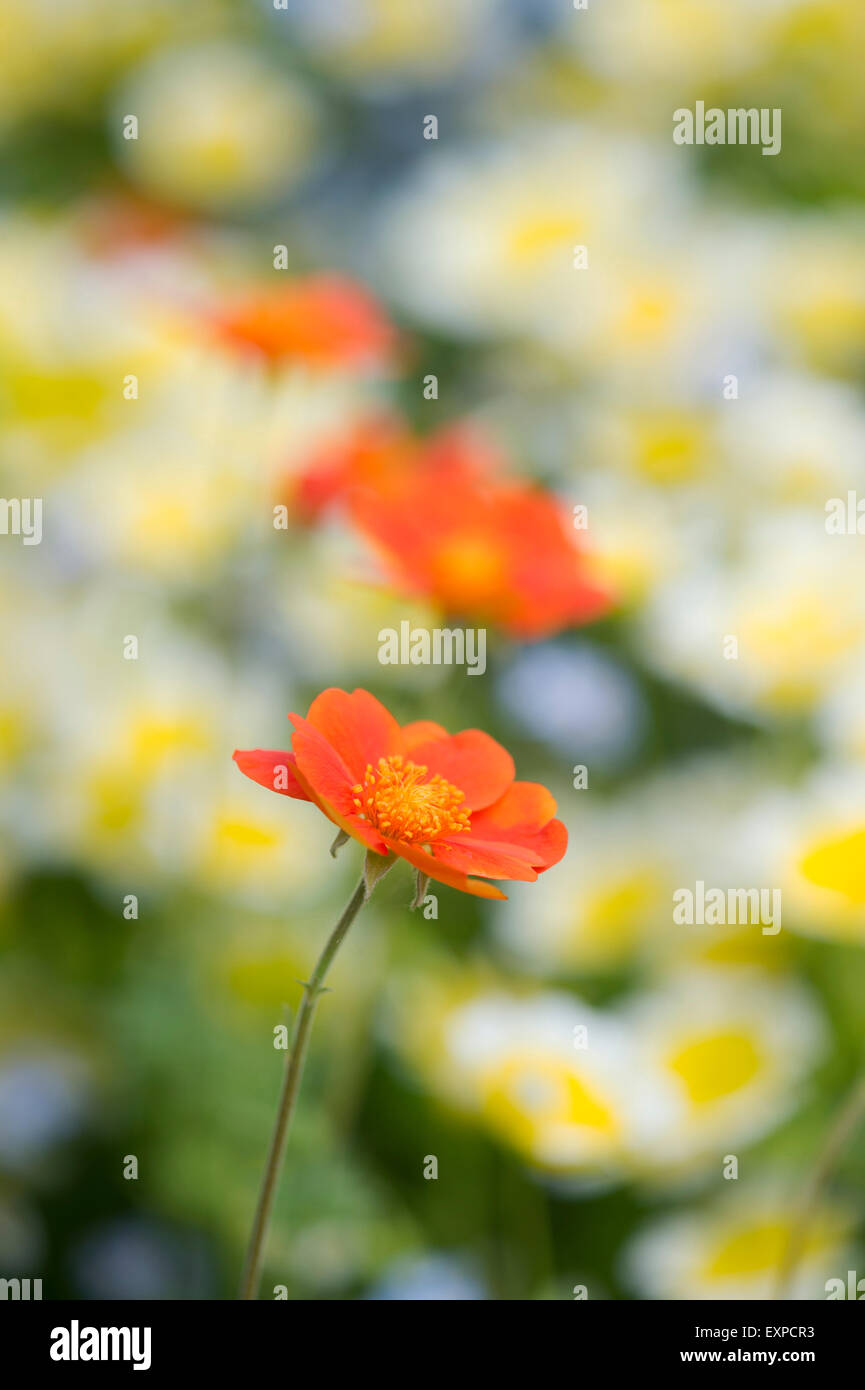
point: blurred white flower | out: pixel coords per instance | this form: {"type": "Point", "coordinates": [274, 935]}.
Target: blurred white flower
{"type": "Point", "coordinates": [132, 771]}
{"type": "Point", "coordinates": [604, 902]}
{"type": "Point", "coordinates": [244, 845]}
{"type": "Point", "coordinates": [768, 630]}
{"type": "Point", "coordinates": [678, 41]}
{"type": "Point", "coordinates": [812, 841]}
{"type": "Point", "coordinates": [814, 291]}
{"type": "Point", "coordinates": [196, 475]}
{"type": "Point", "coordinates": [219, 125]}
{"type": "Point", "coordinates": [483, 241]}
{"type": "Point", "coordinates": [610, 902]}
{"type": "Point", "coordinates": [55, 56]}
{"type": "Point", "coordinates": [794, 438]}
{"type": "Point", "coordinates": [333, 635]}
{"type": "Point", "coordinates": [637, 536]}
{"type": "Point", "coordinates": [724, 1054]}
{"type": "Point", "coordinates": [733, 1249]}
{"type": "Point", "coordinates": [395, 42]}
{"type": "Point", "coordinates": [71, 328]}
{"type": "Point", "coordinates": [549, 1076]}
{"type": "Point", "coordinates": [660, 442]}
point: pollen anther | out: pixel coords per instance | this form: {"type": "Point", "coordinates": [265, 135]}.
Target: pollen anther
{"type": "Point", "coordinates": [400, 799]}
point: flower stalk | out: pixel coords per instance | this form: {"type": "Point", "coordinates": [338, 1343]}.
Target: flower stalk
{"type": "Point", "coordinates": [847, 1121]}
{"type": "Point", "coordinates": [313, 988]}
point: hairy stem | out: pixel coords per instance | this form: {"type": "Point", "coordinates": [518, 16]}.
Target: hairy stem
{"type": "Point", "coordinates": [846, 1122]}
{"type": "Point", "coordinates": [294, 1061]}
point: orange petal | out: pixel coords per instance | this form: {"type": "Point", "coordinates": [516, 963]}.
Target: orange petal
{"type": "Point", "coordinates": [357, 726]}
{"type": "Point", "coordinates": [349, 821]}
{"type": "Point", "coordinates": [548, 846]}
{"type": "Point", "coordinates": [524, 806]}
{"type": "Point", "coordinates": [433, 868]}
{"type": "Point", "coordinates": [540, 849]}
{"type": "Point", "coordinates": [524, 817]}
{"type": "Point", "coordinates": [420, 732]}
{"type": "Point", "coordinates": [472, 761]}
{"type": "Point", "coordinates": [485, 857]}
{"type": "Point", "coordinates": [320, 769]}
{"type": "Point", "coordinates": [271, 769]}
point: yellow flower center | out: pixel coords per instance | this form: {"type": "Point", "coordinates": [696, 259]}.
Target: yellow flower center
{"type": "Point", "coordinates": [716, 1066]}
{"type": "Point", "coordinates": [404, 803]}
{"type": "Point", "coordinates": [839, 865]}
{"type": "Point", "coordinates": [540, 236]}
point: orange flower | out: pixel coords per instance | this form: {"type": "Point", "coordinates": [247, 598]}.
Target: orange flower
{"type": "Point", "coordinates": [322, 320]}
{"type": "Point", "coordinates": [447, 803]}
{"type": "Point", "coordinates": [379, 454]}
{"type": "Point", "coordinates": [498, 549]}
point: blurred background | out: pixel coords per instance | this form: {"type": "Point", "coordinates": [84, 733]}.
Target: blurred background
{"type": "Point", "coordinates": [157, 910]}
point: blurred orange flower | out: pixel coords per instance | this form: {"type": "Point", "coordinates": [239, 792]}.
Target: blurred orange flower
{"type": "Point", "coordinates": [322, 320]}
{"type": "Point", "coordinates": [447, 523]}
{"type": "Point", "coordinates": [496, 549]}
{"type": "Point", "coordinates": [446, 803]}
{"type": "Point", "coordinates": [380, 454]}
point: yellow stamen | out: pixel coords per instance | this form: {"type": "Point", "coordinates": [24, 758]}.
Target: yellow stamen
{"type": "Point", "coordinates": [403, 803]}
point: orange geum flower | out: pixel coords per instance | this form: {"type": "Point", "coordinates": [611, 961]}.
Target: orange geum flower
{"type": "Point", "coordinates": [379, 454]}
{"type": "Point", "coordinates": [446, 803]}
{"type": "Point", "coordinates": [495, 549]}
{"type": "Point", "coordinates": [322, 320]}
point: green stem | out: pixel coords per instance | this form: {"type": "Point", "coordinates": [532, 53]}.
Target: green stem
{"type": "Point", "coordinates": [846, 1122]}
{"type": "Point", "coordinates": [290, 1087]}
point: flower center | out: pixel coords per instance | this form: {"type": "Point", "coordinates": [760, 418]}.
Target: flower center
{"type": "Point", "coordinates": [468, 569]}
{"type": "Point", "coordinates": [404, 803]}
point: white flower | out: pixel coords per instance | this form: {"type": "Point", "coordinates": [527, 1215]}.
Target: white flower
{"type": "Point", "coordinates": [814, 291]}
{"type": "Point", "coordinates": [545, 1073]}
{"type": "Point", "coordinates": [734, 1248]}
{"type": "Point", "coordinates": [795, 438]}
{"type": "Point", "coordinates": [71, 328]}
{"type": "Point", "coordinates": [483, 241]}
{"type": "Point", "coordinates": [53, 55]}
{"type": "Point", "coordinates": [395, 42]}
{"type": "Point", "coordinates": [724, 1054]}
{"type": "Point", "coordinates": [131, 771]}
{"type": "Point", "coordinates": [200, 466]}
{"type": "Point", "coordinates": [770, 630]}
{"type": "Point", "coordinates": [812, 840]}
{"type": "Point", "coordinates": [682, 41]}
{"type": "Point", "coordinates": [605, 900]}
{"type": "Point", "coordinates": [218, 125]}
{"type": "Point", "coordinates": [638, 537]}
{"type": "Point", "coordinates": [610, 903]}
